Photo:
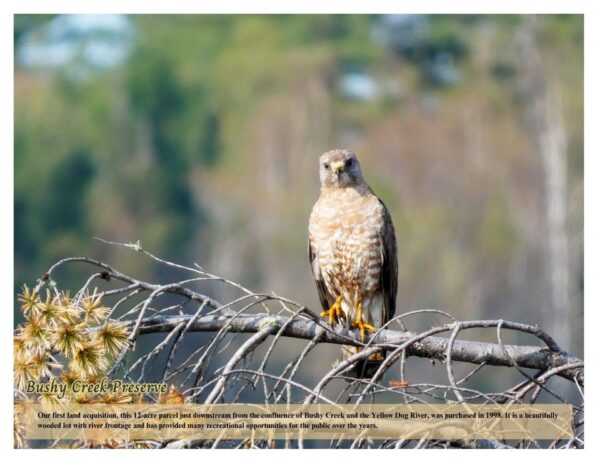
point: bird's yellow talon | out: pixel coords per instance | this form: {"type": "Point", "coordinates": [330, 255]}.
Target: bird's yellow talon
{"type": "Point", "coordinates": [335, 311]}
{"type": "Point", "coordinates": [360, 324]}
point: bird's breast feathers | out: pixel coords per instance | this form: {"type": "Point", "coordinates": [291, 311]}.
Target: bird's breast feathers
{"type": "Point", "coordinates": [346, 214]}
{"type": "Point", "coordinates": [345, 232]}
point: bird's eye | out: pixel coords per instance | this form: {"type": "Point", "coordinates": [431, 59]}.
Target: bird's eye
{"type": "Point", "coordinates": [349, 162]}
{"type": "Point", "coordinates": [326, 165]}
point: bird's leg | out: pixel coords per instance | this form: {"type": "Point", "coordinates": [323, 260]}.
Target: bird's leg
{"type": "Point", "coordinates": [335, 311]}
{"type": "Point", "coordinates": [360, 324]}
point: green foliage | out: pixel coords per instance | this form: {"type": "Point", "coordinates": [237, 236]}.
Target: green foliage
{"type": "Point", "coordinates": [202, 143]}
{"type": "Point", "coordinates": [497, 236]}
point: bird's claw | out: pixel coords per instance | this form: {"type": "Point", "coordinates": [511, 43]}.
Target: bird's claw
{"type": "Point", "coordinates": [362, 326]}
{"type": "Point", "coordinates": [360, 323]}
{"type": "Point", "coordinates": [335, 312]}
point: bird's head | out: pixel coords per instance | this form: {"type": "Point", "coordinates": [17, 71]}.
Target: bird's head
{"type": "Point", "coordinates": [339, 169]}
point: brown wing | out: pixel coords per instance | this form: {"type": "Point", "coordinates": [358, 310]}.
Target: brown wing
{"type": "Point", "coordinates": [324, 297]}
{"type": "Point", "coordinates": [389, 270]}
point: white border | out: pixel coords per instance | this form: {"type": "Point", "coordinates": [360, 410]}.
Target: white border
{"type": "Point", "coordinates": [592, 190]}
{"type": "Point", "coordinates": [306, 6]}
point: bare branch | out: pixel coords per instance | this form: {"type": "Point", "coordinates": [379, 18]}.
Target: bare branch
{"type": "Point", "coordinates": [207, 368]}
{"type": "Point", "coordinates": [432, 347]}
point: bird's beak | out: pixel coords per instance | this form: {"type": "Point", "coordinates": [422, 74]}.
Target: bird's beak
{"type": "Point", "coordinates": [337, 166]}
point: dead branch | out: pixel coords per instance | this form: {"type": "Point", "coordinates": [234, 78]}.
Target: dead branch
{"type": "Point", "coordinates": [241, 356]}
{"type": "Point", "coordinates": [432, 347]}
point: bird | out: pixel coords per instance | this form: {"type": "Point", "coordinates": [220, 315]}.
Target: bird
{"type": "Point", "coordinates": [352, 252]}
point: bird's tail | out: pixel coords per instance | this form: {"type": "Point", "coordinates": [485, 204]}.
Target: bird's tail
{"type": "Point", "coordinates": [365, 369]}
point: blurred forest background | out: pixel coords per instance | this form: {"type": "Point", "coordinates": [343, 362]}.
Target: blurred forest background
{"type": "Point", "coordinates": [199, 136]}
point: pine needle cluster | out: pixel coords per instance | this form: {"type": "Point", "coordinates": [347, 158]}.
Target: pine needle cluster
{"type": "Point", "coordinates": [68, 338]}
{"type": "Point", "coordinates": [65, 336]}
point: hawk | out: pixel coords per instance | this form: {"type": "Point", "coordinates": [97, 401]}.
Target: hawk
{"type": "Point", "coordinates": [352, 249]}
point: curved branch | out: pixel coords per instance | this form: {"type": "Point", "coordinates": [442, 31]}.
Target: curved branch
{"type": "Point", "coordinates": [246, 348]}
{"type": "Point", "coordinates": [431, 347]}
